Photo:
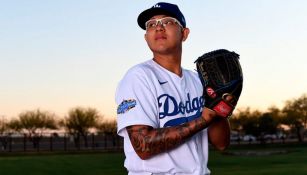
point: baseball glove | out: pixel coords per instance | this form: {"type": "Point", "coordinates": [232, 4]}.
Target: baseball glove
{"type": "Point", "coordinates": [221, 76]}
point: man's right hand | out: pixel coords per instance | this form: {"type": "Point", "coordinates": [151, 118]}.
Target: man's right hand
{"type": "Point", "coordinates": [208, 115]}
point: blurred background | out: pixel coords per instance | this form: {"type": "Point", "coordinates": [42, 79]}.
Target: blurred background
{"type": "Point", "coordinates": [62, 59]}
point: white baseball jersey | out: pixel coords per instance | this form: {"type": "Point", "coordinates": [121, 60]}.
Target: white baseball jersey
{"type": "Point", "coordinates": [151, 95]}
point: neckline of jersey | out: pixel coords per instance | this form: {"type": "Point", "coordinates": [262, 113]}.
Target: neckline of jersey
{"type": "Point", "coordinates": [172, 74]}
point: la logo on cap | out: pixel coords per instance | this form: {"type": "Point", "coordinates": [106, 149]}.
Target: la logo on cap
{"type": "Point", "coordinates": [157, 6]}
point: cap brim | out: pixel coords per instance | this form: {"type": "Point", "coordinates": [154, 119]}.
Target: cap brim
{"type": "Point", "coordinates": [149, 13]}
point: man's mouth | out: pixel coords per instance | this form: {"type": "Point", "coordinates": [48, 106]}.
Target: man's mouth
{"type": "Point", "coordinates": [160, 38]}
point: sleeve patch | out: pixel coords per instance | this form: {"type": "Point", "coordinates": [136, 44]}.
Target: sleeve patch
{"type": "Point", "coordinates": [126, 105]}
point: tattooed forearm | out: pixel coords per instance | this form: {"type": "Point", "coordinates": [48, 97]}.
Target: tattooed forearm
{"type": "Point", "coordinates": [148, 141]}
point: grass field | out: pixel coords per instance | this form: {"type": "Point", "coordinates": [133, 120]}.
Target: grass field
{"type": "Point", "coordinates": [292, 160]}
{"type": "Point", "coordinates": [64, 164]}
{"type": "Point", "coordinates": [284, 160]}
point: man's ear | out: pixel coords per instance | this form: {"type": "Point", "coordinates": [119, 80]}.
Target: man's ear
{"type": "Point", "coordinates": [185, 33]}
{"type": "Point", "coordinates": [145, 36]}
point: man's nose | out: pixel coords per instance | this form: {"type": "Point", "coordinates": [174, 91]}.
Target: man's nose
{"type": "Point", "coordinates": [160, 26]}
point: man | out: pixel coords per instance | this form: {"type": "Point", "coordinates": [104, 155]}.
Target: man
{"type": "Point", "coordinates": [161, 113]}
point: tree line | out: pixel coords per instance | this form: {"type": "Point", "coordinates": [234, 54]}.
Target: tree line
{"type": "Point", "coordinates": [290, 119]}
{"type": "Point", "coordinates": [79, 123]}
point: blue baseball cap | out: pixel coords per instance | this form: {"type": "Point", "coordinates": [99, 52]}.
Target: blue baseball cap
{"type": "Point", "coordinates": [161, 8]}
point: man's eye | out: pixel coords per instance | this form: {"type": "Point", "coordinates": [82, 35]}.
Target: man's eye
{"type": "Point", "coordinates": [151, 24]}
{"type": "Point", "coordinates": [169, 22]}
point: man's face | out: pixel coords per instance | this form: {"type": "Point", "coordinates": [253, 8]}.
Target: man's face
{"type": "Point", "coordinates": [164, 38]}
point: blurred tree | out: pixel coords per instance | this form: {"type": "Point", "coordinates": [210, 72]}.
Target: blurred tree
{"type": "Point", "coordinates": [14, 125]}
{"type": "Point", "coordinates": [267, 123]}
{"type": "Point", "coordinates": [36, 120]}
{"type": "Point", "coordinates": [277, 117]}
{"type": "Point", "coordinates": [79, 122]}
{"type": "Point", "coordinates": [3, 137]}
{"type": "Point", "coordinates": [34, 123]}
{"type": "Point", "coordinates": [3, 125]}
{"type": "Point", "coordinates": [276, 114]}
{"type": "Point", "coordinates": [246, 121]}
{"type": "Point", "coordinates": [295, 115]}
{"type": "Point", "coordinates": [108, 127]}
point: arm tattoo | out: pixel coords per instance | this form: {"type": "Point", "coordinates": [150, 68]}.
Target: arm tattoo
{"type": "Point", "coordinates": [148, 141]}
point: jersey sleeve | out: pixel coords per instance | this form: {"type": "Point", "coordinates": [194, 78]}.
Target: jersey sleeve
{"type": "Point", "coordinates": [136, 102]}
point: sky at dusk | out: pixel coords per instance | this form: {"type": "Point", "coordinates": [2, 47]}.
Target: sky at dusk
{"type": "Point", "coordinates": [56, 55]}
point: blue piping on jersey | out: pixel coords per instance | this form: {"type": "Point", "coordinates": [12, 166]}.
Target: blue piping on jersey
{"type": "Point", "coordinates": [181, 120]}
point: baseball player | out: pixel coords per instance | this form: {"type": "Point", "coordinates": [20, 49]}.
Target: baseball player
{"type": "Point", "coordinates": [161, 111]}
